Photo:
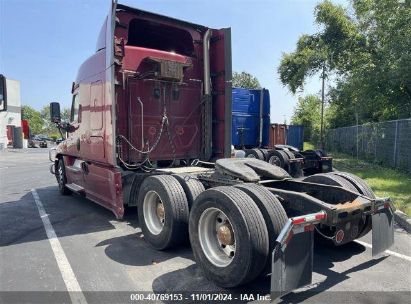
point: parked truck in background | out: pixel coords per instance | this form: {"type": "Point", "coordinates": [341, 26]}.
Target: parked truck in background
{"type": "Point", "coordinates": [151, 127]}
{"type": "Point", "coordinates": [251, 134]}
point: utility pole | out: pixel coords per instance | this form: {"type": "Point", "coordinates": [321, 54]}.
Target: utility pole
{"type": "Point", "coordinates": [322, 110]}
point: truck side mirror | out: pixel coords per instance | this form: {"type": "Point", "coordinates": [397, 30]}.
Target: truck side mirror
{"type": "Point", "coordinates": [55, 115]}
{"type": "Point", "coordinates": [3, 94]}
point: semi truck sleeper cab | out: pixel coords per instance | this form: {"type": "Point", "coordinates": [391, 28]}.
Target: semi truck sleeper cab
{"type": "Point", "coordinates": [151, 127]}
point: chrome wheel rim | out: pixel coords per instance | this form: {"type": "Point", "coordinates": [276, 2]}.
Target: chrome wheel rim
{"type": "Point", "coordinates": [154, 213]}
{"type": "Point", "coordinates": [216, 237]}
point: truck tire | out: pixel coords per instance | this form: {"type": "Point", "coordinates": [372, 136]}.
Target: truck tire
{"type": "Point", "coordinates": [163, 211]}
{"type": "Point", "coordinates": [265, 153]}
{"type": "Point", "coordinates": [191, 185]}
{"type": "Point", "coordinates": [364, 189]}
{"type": "Point", "coordinates": [62, 178]}
{"type": "Point", "coordinates": [278, 158]}
{"type": "Point", "coordinates": [357, 182]}
{"type": "Point", "coordinates": [330, 179]}
{"type": "Point", "coordinates": [336, 180]}
{"type": "Point", "coordinates": [254, 153]}
{"type": "Point", "coordinates": [289, 154]}
{"type": "Point", "coordinates": [273, 212]}
{"type": "Point", "coordinates": [238, 251]}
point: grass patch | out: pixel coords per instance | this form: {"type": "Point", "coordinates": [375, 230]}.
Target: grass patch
{"type": "Point", "coordinates": [383, 181]}
{"type": "Point", "coordinates": [308, 146]}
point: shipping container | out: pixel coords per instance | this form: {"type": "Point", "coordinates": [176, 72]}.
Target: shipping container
{"type": "Point", "coordinates": [250, 117]}
{"type": "Point", "coordinates": [278, 134]}
{"type": "Point", "coordinates": [295, 136]}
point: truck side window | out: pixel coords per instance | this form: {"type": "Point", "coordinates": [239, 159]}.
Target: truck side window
{"type": "Point", "coordinates": [75, 108]}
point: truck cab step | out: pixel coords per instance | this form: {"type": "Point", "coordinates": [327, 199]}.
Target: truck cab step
{"type": "Point", "coordinates": [75, 188]}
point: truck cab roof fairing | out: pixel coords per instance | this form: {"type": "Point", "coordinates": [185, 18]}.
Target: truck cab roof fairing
{"type": "Point", "coordinates": [101, 40]}
{"type": "Point", "coordinates": [139, 12]}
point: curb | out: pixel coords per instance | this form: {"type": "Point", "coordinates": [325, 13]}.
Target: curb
{"type": "Point", "coordinates": [403, 220]}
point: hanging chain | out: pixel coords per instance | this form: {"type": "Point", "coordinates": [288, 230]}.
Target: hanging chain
{"type": "Point", "coordinates": [323, 235]}
{"type": "Point", "coordinates": [165, 124]}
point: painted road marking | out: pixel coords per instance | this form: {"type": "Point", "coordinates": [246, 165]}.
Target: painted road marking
{"type": "Point", "coordinates": [396, 254]}
{"type": "Point", "coordinates": [72, 285]}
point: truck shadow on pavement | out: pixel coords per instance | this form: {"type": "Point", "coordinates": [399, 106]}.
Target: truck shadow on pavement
{"type": "Point", "coordinates": [20, 221]}
{"type": "Point", "coordinates": [74, 215]}
{"type": "Point", "coordinates": [324, 259]}
{"type": "Point", "coordinates": [133, 250]}
{"type": "Point", "coordinates": [191, 279]}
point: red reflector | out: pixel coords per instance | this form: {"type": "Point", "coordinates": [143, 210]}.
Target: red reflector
{"type": "Point", "coordinates": [321, 216]}
{"type": "Point", "coordinates": [339, 236]}
{"type": "Point", "coordinates": [298, 220]}
{"type": "Point", "coordinates": [386, 205]}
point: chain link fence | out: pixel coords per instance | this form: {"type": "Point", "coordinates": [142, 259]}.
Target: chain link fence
{"type": "Point", "coordinates": [387, 143]}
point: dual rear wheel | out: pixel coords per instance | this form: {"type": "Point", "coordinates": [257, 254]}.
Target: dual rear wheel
{"type": "Point", "coordinates": [232, 233]}
{"type": "Point", "coordinates": [350, 182]}
{"type": "Point", "coordinates": [280, 158]}
{"type": "Point", "coordinates": [163, 211]}
{"type": "Point", "coordinates": [232, 230]}
{"type": "Point", "coordinates": [255, 153]}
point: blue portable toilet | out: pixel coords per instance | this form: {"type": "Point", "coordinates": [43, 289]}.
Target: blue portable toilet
{"type": "Point", "coordinates": [250, 118]}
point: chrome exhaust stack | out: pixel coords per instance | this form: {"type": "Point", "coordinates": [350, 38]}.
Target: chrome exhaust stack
{"type": "Point", "coordinates": [208, 125]}
{"type": "Point", "coordinates": [206, 58]}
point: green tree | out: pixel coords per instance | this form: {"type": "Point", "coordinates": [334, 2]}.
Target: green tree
{"type": "Point", "coordinates": [65, 114]}
{"type": "Point", "coordinates": [307, 113]}
{"type": "Point", "coordinates": [368, 49]}
{"type": "Point", "coordinates": [245, 80]}
{"type": "Point", "coordinates": [50, 128]}
{"type": "Point", "coordinates": [34, 119]}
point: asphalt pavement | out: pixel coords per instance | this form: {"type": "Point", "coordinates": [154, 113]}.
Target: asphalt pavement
{"type": "Point", "coordinates": [103, 260]}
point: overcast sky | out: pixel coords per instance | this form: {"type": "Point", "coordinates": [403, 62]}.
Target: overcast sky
{"type": "Point", "coordinates": [43, 42]}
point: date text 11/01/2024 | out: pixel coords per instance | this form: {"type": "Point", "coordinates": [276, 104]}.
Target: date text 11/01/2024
{"type": "Point", "coordinates": [198, 297]}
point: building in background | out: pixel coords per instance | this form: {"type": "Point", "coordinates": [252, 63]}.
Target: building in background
{"type": "Point", "coordinates": [10, 120]}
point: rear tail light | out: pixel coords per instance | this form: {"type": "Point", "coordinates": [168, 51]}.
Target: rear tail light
{"type": "Point", "coordinates": [321, 216]}
{"type": "Point", "coordinates": [310, 218]}
{"type": "Point", "coordinates": [298, 220]}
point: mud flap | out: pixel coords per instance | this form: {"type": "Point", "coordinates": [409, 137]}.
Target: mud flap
{"type": "Point", "coordinates": [382, 231]}
{"type": "Point", "coordinates": [293, 267]}
{"type": "Point", "coordinates": [292, 263]}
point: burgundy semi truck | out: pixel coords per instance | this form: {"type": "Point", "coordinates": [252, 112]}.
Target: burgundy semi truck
{"type": "Point", "coordinates": [151, 127]}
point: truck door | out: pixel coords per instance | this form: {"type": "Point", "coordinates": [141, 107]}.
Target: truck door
{"type": "Point", "coordinates": [73, 144]}
{"type": "Point", "coordinates": [98, 180]}
{"type": "Point", "coordinates": [95, 140]}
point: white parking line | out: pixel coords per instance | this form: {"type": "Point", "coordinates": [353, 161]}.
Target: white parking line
{"type": "Point", "coordinates": [73, 287]}
{"type": "Point", "coordinates": [396, 254]}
